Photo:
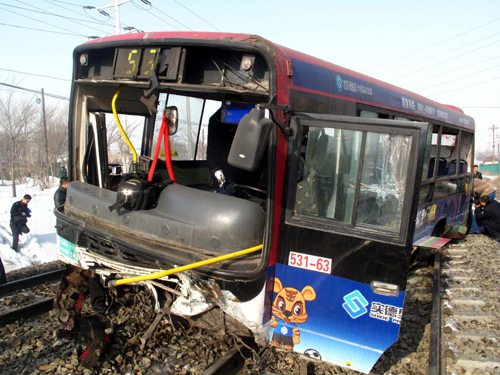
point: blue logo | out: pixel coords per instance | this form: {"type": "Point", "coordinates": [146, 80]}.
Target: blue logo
{"type": "Point", "coordinates": [340, 83]}
{"type": "Point", "coordinates": [355, 304]}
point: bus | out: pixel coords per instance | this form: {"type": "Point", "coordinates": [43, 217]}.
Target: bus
{"type": "Point", "coordinates": [274, 189]}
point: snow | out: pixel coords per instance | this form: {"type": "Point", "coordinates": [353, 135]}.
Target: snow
{"type": "Point", "coordinates": [40, 244]}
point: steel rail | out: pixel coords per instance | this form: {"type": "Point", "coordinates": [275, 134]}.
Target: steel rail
{"type": "Point", "coordinates": [29, 311]}
{"type": "Point", "coordinates": [30, 282]}
{"type": "Point", "coordinates": [435, 351]}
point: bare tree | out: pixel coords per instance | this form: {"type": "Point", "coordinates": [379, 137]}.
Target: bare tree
{"type": "Point", "coordinates": [19, 119]}
{"type": "Point", "coordinates": [117, 147]}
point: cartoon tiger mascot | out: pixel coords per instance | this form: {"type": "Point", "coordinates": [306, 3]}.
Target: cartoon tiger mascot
{"type": "Point", "coordinates": [289, 307]}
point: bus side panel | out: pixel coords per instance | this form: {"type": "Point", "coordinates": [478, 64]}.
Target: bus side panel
{"type": "Point", "coordinates": [340, 321]}
{"type": "Point", "coordinates": [453, 209]}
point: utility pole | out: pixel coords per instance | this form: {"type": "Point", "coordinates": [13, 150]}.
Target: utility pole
{"type": "Point", "coordinates": [116, 4]}
{"type": "Point", "coordinates": [493, 127]}
{"type": "Point", "coordinates": [45, 133]}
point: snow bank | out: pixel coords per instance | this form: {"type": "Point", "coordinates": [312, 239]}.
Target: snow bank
{"type": "Point", "coordinates": [40, 244]}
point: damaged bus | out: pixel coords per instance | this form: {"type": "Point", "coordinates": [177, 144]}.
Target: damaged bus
{"type": "Point", "coordinates": [263, 185]}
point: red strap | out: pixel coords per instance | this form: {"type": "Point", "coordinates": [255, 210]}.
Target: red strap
{"type": "Point", "coordinates": [168, 156]}
{"type": "Point", "coordinates": [164, 122]}
{"type": "Point", "coordinates": [168, 151]}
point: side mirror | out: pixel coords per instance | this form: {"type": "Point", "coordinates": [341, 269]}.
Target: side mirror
{"type": "Point", "coordinates": [250, 141]}
{"type": "Point", "coordinates": [172, 114]}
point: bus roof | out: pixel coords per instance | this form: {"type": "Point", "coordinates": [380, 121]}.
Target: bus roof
{"type": "Point", "coordinates": [314, 75]}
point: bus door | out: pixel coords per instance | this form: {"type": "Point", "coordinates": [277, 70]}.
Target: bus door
{"type": "Point", "coordinates": [345, 243]}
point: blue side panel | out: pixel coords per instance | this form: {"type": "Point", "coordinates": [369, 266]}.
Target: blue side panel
{"type": "Point", "coordinates": [346, 323]}
{"type": "Point", "coordinates": [452, 208]}
{"type": "Point", "coordinates": [314, 77]}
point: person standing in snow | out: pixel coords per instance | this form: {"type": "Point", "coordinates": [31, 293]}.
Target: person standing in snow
{"type": "Point", "coordinates": [60, 194]}
{"type": "Point", "coordinates": [19, 214]}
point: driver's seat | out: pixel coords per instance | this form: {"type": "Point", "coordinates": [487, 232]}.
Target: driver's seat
{"type": "Point", "coordinates": [224, 176]}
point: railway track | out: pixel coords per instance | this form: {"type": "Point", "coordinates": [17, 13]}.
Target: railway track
{"type": "Point", "coordinates": [468, 342]}
{"type": "Point", "coordinates": [29, 297]}
{"type": "Point", "coordinates": [471, 329]}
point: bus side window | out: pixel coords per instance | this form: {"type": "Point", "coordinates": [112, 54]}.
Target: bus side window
{"type": "Point", "coordinates": [329, 178]}
{"type": "Point", "coordinates": [383, 180]}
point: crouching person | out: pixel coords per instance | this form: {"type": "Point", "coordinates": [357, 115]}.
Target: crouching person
{"type": "Point", "coordinates": [488, 217]}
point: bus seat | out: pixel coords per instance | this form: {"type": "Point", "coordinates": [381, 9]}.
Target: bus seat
{"type": "Point", "coordinates": [453, 167]}
{"type": "Point", "coordinates": [219, 140]}
{"type": "Point", "coordinates": [463, 166]}
{"type": "Point", "coordinates": [441, 167]}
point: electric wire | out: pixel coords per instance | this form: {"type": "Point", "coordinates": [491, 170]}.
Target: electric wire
{"type": "Point", "coordinates": [165, 14]}
{"type": "Point", "coordinates": [42, 30]}
{"type": "Point", "coordinates": [433, 45]}
{"type": "Point", "coordinates": [454, 80]}
{"type": "Point", "coordinates": [46, 23]}
{"type": "Point", "coordinates": [35, 91]}
{"type": "Point", "coordinates": [466, 87]}
{"type": "Point", "coordinates": [161, 19]}
{"type": "Point", "coordinates": [108, 16]}
{"type": "Point", "coordinates": [449, 71]}
{"type": "Point", "coordinates": [204, 20]}
{"type": "Point", "coordinates": [444, 53]}
{"type": "Point", "coordinates": [36, 75]}
{"type": "Point", "coordinates": [96, 21]}
{"type": "Point", "coordinates": [66, 2]}
{"type": "Point", "coordinates": [43, 11]}
{"type": "Point", "coordinates": [445, 61]}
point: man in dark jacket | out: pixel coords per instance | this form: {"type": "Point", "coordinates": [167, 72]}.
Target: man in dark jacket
{"type": "Point", "coordinates": [60, 194]}
{"type": "Point", "coordinates": [477, 174]}
{"type": "Point", "coordinates": [488, 217]}
{"type": "Point", "coordinates": [19, 214]}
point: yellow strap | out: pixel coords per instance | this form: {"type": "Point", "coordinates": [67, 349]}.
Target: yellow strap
{"type": "Point", "coordinates": [187, 267]}
{"type": "Point", "coordinates": [113, 106]}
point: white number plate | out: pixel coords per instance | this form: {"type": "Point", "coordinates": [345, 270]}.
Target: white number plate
{"type": "Point", "coordinates": [310, 262]}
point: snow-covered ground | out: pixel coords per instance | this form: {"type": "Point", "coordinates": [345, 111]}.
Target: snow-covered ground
{"type": "Point", "coordinates": [40, 244]}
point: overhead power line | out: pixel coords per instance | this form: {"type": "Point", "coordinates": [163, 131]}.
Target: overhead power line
{"type": "Point", "coordinates": [189, 10]}
{"type": "Point", "coordinates": [43, 11]}
{"type": "Point", "coordinates": [433, 45]}
{"type": "Point", "coordinates": [454, 80]}
{"type": "Point", "coordinates": [449, 71]}
{"type": "Point", "coordinates": [95, 21]}
{"type": "Point", "coordinates": [450, 59]}
{"type": "Point", "coordinates": [36, 75]}
{"type": "Point", "coordinates": [444, 53]}
{"type": "Point", "coordinates": [166, 15]}
{"type": "Point", "coordinates": [466, 87]}
{"type": "Point", "coordinates": [35, 91]}
{"type": "Point", "coordinates": [46, 23]}
{"type": "Point", "coordinates": [42, 30]}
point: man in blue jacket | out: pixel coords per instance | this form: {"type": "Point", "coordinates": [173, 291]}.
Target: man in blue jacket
{"type": "Point", "coordinates": [19, 214]}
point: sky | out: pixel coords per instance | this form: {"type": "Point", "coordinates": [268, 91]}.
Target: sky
{"type": "Point", "coordinates": [446, 50]}
{"type": "Point", "coordinates": [40, 244]}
